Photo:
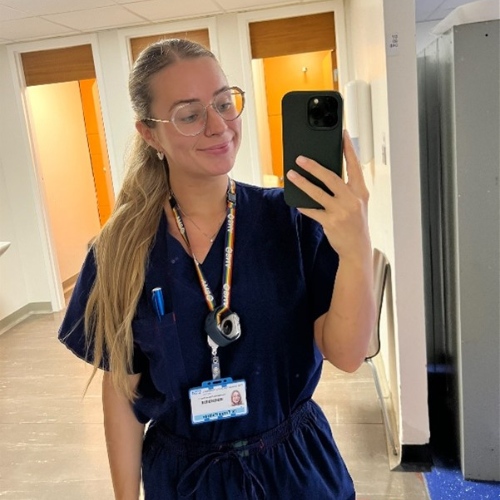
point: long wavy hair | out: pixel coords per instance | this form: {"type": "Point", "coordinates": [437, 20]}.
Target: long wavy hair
{"type": "Point", "coordinates": [122, 247]}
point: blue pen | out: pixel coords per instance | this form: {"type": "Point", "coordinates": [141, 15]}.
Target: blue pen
{"type": "Point", "coordinates": [159, 305]}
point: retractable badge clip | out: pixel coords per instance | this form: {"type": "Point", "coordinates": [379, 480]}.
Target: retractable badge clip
{"type": "Point", "coordinates": [223, 328]}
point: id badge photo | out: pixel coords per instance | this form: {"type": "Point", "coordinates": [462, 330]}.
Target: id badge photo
{"type": "Point", "coordinates": [218, 400]}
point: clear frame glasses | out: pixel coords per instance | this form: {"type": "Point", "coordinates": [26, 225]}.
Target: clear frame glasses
{"type": "Point", "coordinates": [190, 119]}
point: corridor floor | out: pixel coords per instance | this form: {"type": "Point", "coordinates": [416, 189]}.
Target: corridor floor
{"type": "Point", "coordinates": [52, 443]}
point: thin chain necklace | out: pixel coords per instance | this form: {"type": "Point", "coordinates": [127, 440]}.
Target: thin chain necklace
{"type": "Point", "coordinates": [210, 238]}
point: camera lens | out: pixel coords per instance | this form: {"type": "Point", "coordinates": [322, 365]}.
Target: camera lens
{"type": "Point", "coordinates": [316, 112]}
{"type": "Point", "coordinates": [322, 112]}
{"type": "Point", "coordinates": [227, 327]}
{"type": "Point", "coordinates": [328, 120]}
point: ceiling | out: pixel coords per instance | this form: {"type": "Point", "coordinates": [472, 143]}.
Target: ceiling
{"type": "Point", "coordinates": [432, 10]}
{"type": "Point", "coordinates": [23, 20]}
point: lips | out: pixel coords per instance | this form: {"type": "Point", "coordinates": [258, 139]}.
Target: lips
{"type": "Point", "coordinates": [218, 148]}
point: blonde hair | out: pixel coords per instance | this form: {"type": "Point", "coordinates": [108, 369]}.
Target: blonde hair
{"type": "Point", "coordinates": [122, 247]}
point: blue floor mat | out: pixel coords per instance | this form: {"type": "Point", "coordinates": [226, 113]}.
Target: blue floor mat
{"type": "Point", "coordinates": [445, 482]}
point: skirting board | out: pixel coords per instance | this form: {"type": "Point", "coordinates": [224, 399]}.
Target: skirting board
{"type": "Point", "coordinates": [69, 284]}
{"type": "Point", "coordinates": [17, 316]}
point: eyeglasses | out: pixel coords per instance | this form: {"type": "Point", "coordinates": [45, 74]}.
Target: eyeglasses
{"type": "Point", "coordinates": [190, 119]}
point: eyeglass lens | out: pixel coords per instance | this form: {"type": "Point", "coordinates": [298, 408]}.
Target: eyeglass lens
{"type": "Point", "coordinates": [190, 119]}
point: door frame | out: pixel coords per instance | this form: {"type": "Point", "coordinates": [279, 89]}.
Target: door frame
{"type": "Point", "coordinates": [56, 291]}
{"type": "Point", "coordinates": [244, 20]}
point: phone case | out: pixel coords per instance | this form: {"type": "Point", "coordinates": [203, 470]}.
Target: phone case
{"type": "Point", "coordinates": [304, 135]}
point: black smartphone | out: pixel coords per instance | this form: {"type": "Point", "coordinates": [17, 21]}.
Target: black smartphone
{"type": "Point", "coordinates": [312, 127]}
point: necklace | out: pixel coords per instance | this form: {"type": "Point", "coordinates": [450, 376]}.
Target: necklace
{"type": "Point", "coordinates": [210, 238]}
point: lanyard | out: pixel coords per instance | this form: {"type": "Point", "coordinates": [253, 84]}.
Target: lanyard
{"type": "Point", "coordinates": [220, 319]}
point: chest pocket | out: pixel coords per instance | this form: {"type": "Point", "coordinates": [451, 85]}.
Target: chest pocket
{"type": "Point", "coordinates": [158, 342]}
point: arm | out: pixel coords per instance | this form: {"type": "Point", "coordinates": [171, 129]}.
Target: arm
{"type": "Point", "coordinates": [124, 436]}
{"type": "Point", "coordinates": [343, 333]}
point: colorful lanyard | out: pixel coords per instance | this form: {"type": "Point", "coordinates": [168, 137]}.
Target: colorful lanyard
{"type": "Point", "coordinates": [222, 325]}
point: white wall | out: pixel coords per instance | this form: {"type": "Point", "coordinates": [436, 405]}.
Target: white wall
{"type": "Point", "coordinates": [394, 182]}
{"type": "Point", "coordinates": [112, 67]}
{"type": "Point", "coordinates": [395, 205]}
{"type": "Point", "coordinates": [13, 289]}
{"type": "Point", "coordinates": [408, 249]}
{"type": "Point", "coordinates": [262, 120]}
{"type": "Point", "coordinates": [23, 276]}
{"type": "Point", "coordinates": [65, 171]}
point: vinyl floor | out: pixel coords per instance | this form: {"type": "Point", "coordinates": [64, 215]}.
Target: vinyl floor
{"type": "Point", "coordinates": [52, 441]}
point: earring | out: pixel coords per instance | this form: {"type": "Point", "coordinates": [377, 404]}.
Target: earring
{"type": "Point", "coordinates": [160, 155]}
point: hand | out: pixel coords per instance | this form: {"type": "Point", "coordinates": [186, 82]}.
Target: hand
{"type": "Point", "coordinates": [345, 215]}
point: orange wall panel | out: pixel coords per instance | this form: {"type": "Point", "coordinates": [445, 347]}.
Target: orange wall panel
{"type": "Point", "coordinates": [95, 148]}
{"type": "Point", "coordinates": [275, 122]}
{"type": "Point", "coordinates": [308, 71]}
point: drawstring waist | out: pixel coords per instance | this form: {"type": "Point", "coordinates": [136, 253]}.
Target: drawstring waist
{"type": "Point", "coordinates": [203, 455]}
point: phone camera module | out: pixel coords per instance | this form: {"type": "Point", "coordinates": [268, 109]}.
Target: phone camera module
{"type": "Point", "coordinates": [322, 112]}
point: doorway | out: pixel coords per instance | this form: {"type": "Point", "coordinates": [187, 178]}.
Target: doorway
{"type": "Point", "coordinates": [296, 53]}
{"type": "Point", "coordinates": [69, 142]}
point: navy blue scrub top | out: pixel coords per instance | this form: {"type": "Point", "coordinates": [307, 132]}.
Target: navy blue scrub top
{"type": "Point", "coordinates": [283, 275]}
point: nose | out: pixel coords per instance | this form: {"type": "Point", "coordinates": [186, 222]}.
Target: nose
{"type": "Point", "coordinates": [215, 123]}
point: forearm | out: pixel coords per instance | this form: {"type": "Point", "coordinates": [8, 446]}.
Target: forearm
{"type": "Point", "coordinates": [344, 332]}
{"type": "Point", "coordinates": [124, 435]}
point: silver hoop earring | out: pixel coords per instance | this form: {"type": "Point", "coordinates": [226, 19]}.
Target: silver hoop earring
{"type": "Point", "coordinates": [160, 155]}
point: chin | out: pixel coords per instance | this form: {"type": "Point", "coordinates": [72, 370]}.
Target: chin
{"type": "Point", "coordinates": [223, 165]}
{"type": "Point", "coordinates": [223, 169]}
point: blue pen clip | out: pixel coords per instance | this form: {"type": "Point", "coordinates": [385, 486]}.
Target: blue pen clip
{"type": "Point", "coordinates": [158, 303]}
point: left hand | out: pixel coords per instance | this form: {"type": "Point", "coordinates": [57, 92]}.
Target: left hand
{"type": "Point", "coordinates": [345, 215]}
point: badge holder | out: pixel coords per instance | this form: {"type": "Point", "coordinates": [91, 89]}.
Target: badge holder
{"type": "Point", "coordinates": [218, 400]}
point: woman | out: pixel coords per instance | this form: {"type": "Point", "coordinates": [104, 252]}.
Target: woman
{"type": "Point", "coordinates": [236, 398]}
{"type": "Point", "coordinates": [198, 286]}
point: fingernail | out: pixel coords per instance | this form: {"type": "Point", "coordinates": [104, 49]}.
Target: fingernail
{"type": "Point", "coordinates": [291, 174]}
{"type": "Point", "coordinates": [300, 159]}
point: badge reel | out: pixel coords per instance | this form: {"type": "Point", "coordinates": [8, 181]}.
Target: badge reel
{"type": "Point", "coordinates": [224, 330]}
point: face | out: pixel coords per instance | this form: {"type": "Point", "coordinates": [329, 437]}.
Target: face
{"type": "Point", "coordinates": [236, 397]}
{"type": "Point", "coordinates": [213, 151]}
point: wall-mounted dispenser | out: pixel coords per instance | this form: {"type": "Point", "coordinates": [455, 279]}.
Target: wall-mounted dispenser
{"type": "Point", "coordinates": [358, 112]}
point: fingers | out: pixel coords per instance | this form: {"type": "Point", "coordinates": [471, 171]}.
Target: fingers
{"type": "Point", "coordinates": [315, 192]}
{"type": "Point", "coordinates": [356, 183]}
{"type": "Point", "coordinates": [330, 179]}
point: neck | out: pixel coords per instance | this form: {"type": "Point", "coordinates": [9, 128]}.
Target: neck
{"type": "Point", "coordinates": [206, 198]}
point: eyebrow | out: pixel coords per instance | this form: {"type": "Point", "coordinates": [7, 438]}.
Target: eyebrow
{"type": "Point", "coordinates": [189, 101]}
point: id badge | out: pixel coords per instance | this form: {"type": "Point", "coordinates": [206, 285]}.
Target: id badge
{"type": "Point", "coordinates": [220, 399]}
